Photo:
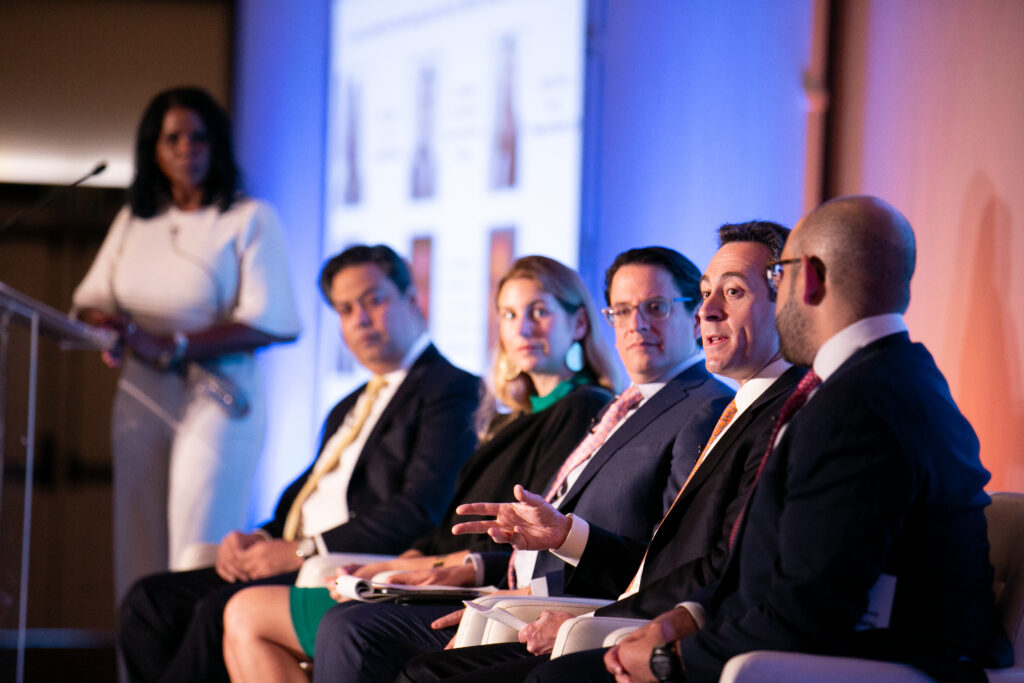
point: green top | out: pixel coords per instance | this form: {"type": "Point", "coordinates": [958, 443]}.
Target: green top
{"type": "Point", "coordinates": [561, 390]}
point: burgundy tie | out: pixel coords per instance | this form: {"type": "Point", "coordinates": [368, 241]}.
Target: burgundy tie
{"type": "Point", "coordinates": [795, 401]}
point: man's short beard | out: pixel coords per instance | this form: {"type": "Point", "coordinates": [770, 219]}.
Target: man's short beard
{"type": "Point", "coordinates": [794, 334]}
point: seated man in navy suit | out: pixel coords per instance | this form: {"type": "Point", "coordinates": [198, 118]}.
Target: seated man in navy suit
{"type": "Point", "coordinates": [390, 454]}
{"type": "Point", "coordinates": [865, 534]}
{"type": "Point", "coordinates": [622, 477]}
{"type": "Point", "coordinates": [690, 546]}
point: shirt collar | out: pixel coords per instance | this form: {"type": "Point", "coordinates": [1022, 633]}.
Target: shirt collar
{"type": "Point", "coordinates": [756, 385]}
{"type": "Point", "coordinates": [411, 356]}
{"type": "Point", "coordinates": [847, 341]}
{"type": "Point", "coordinates": [648, 389]}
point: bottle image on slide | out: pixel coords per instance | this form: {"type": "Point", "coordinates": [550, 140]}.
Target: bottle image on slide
{"type": "Point", "coordinates": [423, 179]}
{"type": "Point", "coordinates": [353, 176]}
{"type": "Point", "coordinates": [504, 149]}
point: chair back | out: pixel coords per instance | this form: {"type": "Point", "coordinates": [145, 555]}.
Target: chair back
{"type": "Point", "coordinates": [1005, 518]}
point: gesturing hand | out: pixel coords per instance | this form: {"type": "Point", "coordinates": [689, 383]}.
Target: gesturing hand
{"type": "Point", "coordinates": [531, 523]}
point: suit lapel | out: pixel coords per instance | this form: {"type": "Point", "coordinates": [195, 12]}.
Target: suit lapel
{"type": "Point", "coordinates": [398, 404]}
{"type": "Point", "coordinates": [785, 382]}
{"type": "Point", "coordinates": [677, 389]}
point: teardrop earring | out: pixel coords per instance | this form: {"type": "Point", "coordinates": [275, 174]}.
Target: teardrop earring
{"type": "Point", "coordinates": [574, 357]}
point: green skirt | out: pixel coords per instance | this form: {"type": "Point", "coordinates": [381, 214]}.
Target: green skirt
{"type": "Point", "coordinates": [308, 607]}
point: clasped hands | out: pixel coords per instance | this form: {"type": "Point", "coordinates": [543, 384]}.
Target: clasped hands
{"type": "Point", "coordinates": [246, 557]}
{"type": "Point", "coordinates": [145, 346]}
{"type": "Point", "coordinates": [630, 660]}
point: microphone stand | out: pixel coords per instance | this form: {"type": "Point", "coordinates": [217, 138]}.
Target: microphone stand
{"type": "Point", "coordinates": [50, 196]}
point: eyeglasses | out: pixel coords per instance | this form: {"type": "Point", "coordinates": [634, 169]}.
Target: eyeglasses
{"type": "Point", "coordinates": [774, 271]}
{"type": "Point", "coordinates": [655, 308]}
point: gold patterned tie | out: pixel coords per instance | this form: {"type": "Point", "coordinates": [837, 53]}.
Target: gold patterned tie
{"type": "Point", "coordinates": [727, 415]}
{"type": "Point", "coordinates": [361, 413]}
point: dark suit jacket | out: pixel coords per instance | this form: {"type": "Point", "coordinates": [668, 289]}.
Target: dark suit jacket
{"type": "Point", "coordinates": [633, 478]}
{"type": "Point", "coordinates": [690, 547]}
{"type": "Point", "coordinates": [527, 450]}
{"type": "Point", "coordinates": [877, 474]}
{"type": "Point", "coordinates": [404, 477]}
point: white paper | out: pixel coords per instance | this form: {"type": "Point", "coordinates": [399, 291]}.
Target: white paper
{"type": "Point", "coordinates": [880, 599]}
{"type": "Point", "coordinates": [496, 614]}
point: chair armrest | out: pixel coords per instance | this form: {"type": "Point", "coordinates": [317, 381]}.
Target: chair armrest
{"type": "Point", "coordinates": [589, 632]}
{"type": "Point", "coordinates": [317, 569]}
{"type": "Point", "coordinates": [764, 665]}
{"type": "Point", "coordinates": [197, 555]}
{"type": "Point", "coordinates": [476, 629]}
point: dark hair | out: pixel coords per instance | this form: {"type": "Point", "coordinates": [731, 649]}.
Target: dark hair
{"type": "Point", "coordinates": [380, 255]}
{"type": "Point", "coordinates": [771, 235]}
{"type": "Point", "coordinates": [685, 275]}
{"type": "Point", "coordinates": [150, 189]}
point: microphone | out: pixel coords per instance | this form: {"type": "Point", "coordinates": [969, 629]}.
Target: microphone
{"type": "Point", "coordinates": [50, 196]}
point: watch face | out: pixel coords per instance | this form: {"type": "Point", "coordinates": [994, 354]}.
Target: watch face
{"type": "Point", "coordinates": [664, 664]}
{"type": "Point", "coordinates": [661, 665]}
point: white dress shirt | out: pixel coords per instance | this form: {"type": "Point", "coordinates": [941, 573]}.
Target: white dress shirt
{"type": "Point", "coordinates": [579, 531]}
{"type": "Point", "coordinates": [748, 392]}
{"type": "Point", "coordinates": [327, 506]}
{"type": "Point", "coordinates": [832, 354]}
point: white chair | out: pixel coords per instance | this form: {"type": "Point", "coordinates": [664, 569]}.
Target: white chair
{"type": "Point", "coordinates": [196, 556]}
{"type": "Point", "coordinates": [588, 632]}
{"type": "Point", "coordinates": [476, 629]}
{"type": "Point", "coordinates": [317, 569]}
{"type": "Point", "coordinates": [1006, 540]}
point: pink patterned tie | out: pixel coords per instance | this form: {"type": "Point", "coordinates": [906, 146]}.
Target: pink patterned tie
{"type": "Point", "coordinates": [626, 401]}
{"type": "Point", "coordinates": [796, 400]}
{"type": "Point", "coordinates": [597, 436]}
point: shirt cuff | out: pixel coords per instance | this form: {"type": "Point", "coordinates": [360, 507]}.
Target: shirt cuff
{"type": "Point", "coordinates": [478, 567]}
{"type": "Point", "coordinates": [575, 542]}
{"type": "Point", "coordinates": [696, 610]}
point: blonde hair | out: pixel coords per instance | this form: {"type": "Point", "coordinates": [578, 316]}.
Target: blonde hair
{"type": "Point", "coordinates": [514, 388]}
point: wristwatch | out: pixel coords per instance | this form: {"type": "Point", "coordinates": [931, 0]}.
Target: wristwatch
{"type": "Point", "coordinates": [307, 548]}
{"type": "Point", "coordinates": [666, 664]}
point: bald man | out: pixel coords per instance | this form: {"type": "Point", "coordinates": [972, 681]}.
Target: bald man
{"type": "Point", "coordinates": [865, 533]}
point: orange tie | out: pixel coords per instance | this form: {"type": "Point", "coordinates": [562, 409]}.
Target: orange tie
{"type": "Point", "coordinates": [727, 415]}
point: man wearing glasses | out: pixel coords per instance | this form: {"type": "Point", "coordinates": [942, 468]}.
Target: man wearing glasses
{"type": "Point", "coordinates": [622, 477]}
{"type": "Point", "coordinates": [690, 547]}
{"type": "Point", "coordinates": [865, 535]}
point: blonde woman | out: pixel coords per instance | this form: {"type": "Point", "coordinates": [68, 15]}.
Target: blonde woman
{"type": "Point", "coordinates": [554, 374]}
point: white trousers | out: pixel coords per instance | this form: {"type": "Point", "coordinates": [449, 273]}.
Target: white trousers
{"type": "Point", "coordinates": [182, 468]}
